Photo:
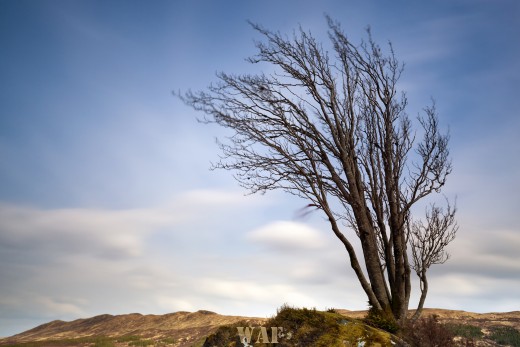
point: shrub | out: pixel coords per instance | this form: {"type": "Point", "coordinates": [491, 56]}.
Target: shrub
{"type": "Point", "coordinates": [428, 332]}
{"type": "Point", "coordinates": [381, 320]}
{"type": "Point", "coordinates": [224, 336]}
{"type": "Point", "coordinates": [307, 327]}
{"type": "Point", "coordinates": [465, 330]}
{"type": "Point", "coordinates": [505, 335]}
{"type": "Point", "coordinates": [310, 327]}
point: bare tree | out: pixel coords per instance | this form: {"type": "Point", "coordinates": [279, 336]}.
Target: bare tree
{"type": "Point", "coordinates": [429, 240]}
{"type": "Point", "coordinates": [332, 129]}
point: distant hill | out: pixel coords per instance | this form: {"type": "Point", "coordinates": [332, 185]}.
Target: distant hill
{"type": "Point", "coordinates": [183, 329]}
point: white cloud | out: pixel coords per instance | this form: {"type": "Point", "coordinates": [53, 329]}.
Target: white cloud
{"type": "Point", "coordinates": [58, 251]}
{"type": "Point", "coordinates": [455, 285]}
{"type": "Point", "coordinates": [95, 232]}
{"type": "Point", "coordinates": [287, 235]}
{"type": "Point", "coordinates": [60, 307]}
{"type": "Point", "coordinates": [214, 198]}
{"type": "Point", "coordinates": [171, 304]}
{"type": "Point", "coordinates": [261, 291]}
{"type": "Point", "coordinates": [145, 256]}
{"type": "Point", "coordinates": [491, 253]}
{"type": "Point", "coordinates": [106, 233]}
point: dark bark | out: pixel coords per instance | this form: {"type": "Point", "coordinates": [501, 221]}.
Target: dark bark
{"type": "Point", "coordinates": [424, 291]}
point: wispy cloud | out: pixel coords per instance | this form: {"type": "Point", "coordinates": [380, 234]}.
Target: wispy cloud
{"type": "Point", "coordinates": [287, 235]}
{"type": "Point", "coordinates": [104, 232]}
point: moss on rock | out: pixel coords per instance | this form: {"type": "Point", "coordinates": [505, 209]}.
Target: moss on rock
{"type": "Point", "coordinates": [305, 327]}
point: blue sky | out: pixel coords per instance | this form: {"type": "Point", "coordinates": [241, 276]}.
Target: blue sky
{"type": "Point", "coordinates": [107, 204]}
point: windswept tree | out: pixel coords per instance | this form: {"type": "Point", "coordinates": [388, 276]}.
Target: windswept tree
{"type": "Point", "coordinates": [332, 128]}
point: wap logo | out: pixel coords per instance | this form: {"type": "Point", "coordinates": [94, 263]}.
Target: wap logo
{"type": "Point", "coordinates": [247, 335]}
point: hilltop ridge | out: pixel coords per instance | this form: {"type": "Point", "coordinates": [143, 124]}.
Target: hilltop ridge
{"type": "Point", "coordinates": [183, 326]}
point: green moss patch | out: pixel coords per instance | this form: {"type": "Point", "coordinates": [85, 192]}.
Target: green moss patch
{"type": "Point", "coordinates": [304, 327]}
{"type": "Point", "coordinates": [504, 335]}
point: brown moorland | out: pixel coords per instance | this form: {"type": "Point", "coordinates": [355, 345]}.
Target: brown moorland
{"type": "Point", "coordinates": [183, 329]}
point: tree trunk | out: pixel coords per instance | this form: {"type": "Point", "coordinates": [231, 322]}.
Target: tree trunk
{"type": "Point", "coordinates": [424, 291]}
{"type": "Point", "coordinates": [372, 261]}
